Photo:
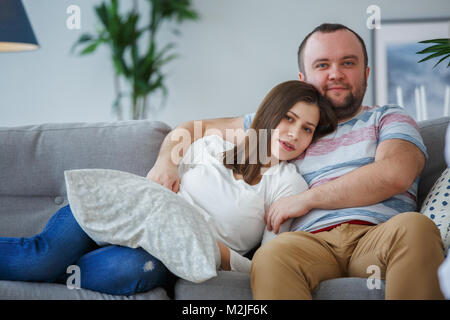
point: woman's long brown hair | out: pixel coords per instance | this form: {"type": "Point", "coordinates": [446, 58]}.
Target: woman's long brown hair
{"type": "Point", "coordinates": [269, 114]}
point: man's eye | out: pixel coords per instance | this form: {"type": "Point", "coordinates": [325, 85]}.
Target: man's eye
{"type": "Point", "coordinates": [321, 65]}
{"type": "Point", "coordinates": [349, 63]}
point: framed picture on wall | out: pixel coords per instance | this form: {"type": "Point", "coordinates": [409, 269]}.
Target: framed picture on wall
{"type": "Point", "coordinates": [422, 90]}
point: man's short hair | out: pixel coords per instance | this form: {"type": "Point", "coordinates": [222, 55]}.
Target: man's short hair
{"type": "Point", "coordinates": [328, 28]}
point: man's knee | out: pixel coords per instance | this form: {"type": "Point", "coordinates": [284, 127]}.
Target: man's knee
{"type": "Point", "coordinates": [417, 228]}
{"type": "Point", "coordinates": [414, 222]}
{"type": "Point", "coordinates": [277, 255]}
{"type": "Point", "coordinates": [269, 265]}
{"type": "Point", "coordinates": [272, 250]}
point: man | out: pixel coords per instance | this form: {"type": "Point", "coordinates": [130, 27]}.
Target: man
{"type": "Point", "coordinates": [358, 212]}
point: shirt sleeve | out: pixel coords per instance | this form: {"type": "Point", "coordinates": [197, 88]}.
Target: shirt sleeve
{"type": "Point", "coordinates": [248, 118]}
{"type": "Point", "coordinates": [395, 123]}
{"type": "Point", "coordinates": [289, 183]}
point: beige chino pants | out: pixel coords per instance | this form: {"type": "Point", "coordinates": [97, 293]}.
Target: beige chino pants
{"type": "Point", "coordinates": [407, 249]}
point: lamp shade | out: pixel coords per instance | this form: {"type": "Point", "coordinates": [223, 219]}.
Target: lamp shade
{"type": "Point", "coordinates": [16, 33]}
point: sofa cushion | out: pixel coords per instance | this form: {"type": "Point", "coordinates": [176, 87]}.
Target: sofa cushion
{"type": "Point", "coordinates": [124, 209]}
{"type": "Point", "coordinates": [19, 290]}
{"type": "Point", "coordinates": [436, 206]}
{"type": "Point", "coordinates": [348, 289]}
{"type": "Point", "coordinates": [230, 285]}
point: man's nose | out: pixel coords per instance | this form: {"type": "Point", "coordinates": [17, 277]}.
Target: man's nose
{"type": "Point", "coordinates": [335, 73]}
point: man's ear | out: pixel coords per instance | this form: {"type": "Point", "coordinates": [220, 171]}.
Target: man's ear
{"type": "Point", "coordinates": [367, 73]}
{"type": "Point", "coordinates": [301, 76]}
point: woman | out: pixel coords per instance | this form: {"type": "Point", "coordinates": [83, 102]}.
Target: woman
{"type": "Point", "coordinates": [241, 182]}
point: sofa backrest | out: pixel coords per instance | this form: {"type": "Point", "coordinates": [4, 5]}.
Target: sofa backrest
{"type": "Point", "coordinates": [33, 160]}
{"type": "Point", "coordinates": [433, 134]}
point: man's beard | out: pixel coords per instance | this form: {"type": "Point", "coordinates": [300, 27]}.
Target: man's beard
{"type": "Point", "coordinates": [351, 104]}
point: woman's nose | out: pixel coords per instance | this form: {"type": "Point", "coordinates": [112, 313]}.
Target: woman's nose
{"type": "Point", "coordinates": [293, 134]}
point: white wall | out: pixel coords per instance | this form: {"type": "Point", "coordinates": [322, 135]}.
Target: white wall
{"type": "Point", "coordinates": [227, 61]}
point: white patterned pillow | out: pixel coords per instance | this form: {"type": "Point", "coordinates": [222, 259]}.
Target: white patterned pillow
{"type": "Point", "coordinates": [125, 209]}
{"type": "Point", "coordinates": [436, 206]}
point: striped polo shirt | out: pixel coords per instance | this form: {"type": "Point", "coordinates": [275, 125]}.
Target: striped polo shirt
{"type": "Point", "coordinates": [351, 146]}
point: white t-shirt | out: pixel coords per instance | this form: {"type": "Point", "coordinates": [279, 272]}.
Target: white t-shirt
{"type": "Point", "coordinates": [234, 209]}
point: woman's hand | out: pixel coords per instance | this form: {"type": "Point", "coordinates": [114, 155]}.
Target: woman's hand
{"type": "Point", "coordinates": [285, 208]}
{"type": "Point", "coordinates": [165, 174]}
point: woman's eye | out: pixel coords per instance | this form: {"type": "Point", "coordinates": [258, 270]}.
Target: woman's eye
{"type": "Point", "coordinates": [288, 118]}
{"type": "Point", "coordinates": [308, 130]}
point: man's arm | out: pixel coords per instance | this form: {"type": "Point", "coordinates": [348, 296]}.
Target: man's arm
{"type": "Point", "coordinates": [396, 166]}
{"type": "Point", "coordinates": [165, 170]}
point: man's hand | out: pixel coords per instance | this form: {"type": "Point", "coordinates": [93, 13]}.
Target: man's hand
{"type": "Point", "coordinates": [285, 208]}
{"type": "Point", "coordinates": [165, 174]}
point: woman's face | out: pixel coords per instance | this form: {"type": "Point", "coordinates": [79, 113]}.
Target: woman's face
{"type": "Point", "coordinates": [295, 131]}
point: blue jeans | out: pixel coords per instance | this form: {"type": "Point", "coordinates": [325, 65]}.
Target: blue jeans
{"type": "Point", "coordinates": [112, 269]}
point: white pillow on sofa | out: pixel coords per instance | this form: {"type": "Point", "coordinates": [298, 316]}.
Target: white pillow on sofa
{"type": "Point", "coordinates": [436, 206]}
{"type": "Point", "coordinates": [125, 209]}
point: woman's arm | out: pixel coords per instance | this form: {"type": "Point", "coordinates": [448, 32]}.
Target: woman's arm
{"type": "Point", "coordinates": [165, 170]}
{"type": "Point", "coordinates": [233, 261]}
{"type": "Point", "coordinates": [225, 256]}
{"type": "Point", "coordinates": [269, 235]}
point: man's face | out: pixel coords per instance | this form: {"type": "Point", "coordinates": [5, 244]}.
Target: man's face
{"type": "Point", "coordinates": [334, 64]}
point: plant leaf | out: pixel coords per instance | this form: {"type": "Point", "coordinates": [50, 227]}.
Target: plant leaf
{"type": "Point", "coordinates": [434, 48]}
{"type": "Point", "coordinates": [121, 33]}
{"type": "Point", "coordinates": [164, 61]}
{"type": "Point", "coordinates": [442, 41]}
{"type": "Point", "coordinates": [91, 48]}
{"type": "Point", "coordinates": [150, 63]}
{"type": "Point", "coordinates": [163, 51]}
{"type": "Point", "coordinates": [82, 39]}
{"type": "Point", "coordinates": [438, 54]}
{"type": "Point", "coordinates": [158, 83]}
{"type": "Point", "coordinates": [102, 14]}
{"type": "Point", "coordinates": [114, 6]}
{"type": "Point", "coordinates": [442, 60]}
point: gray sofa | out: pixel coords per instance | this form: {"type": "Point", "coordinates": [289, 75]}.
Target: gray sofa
{"type": "Point", "coordinates": [32, 189]}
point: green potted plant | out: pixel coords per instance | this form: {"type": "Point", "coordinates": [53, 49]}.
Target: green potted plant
{"type": "Point", "coordinates": [121, 33]}
{"type": "Point", "coordinates": [440, 47]}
